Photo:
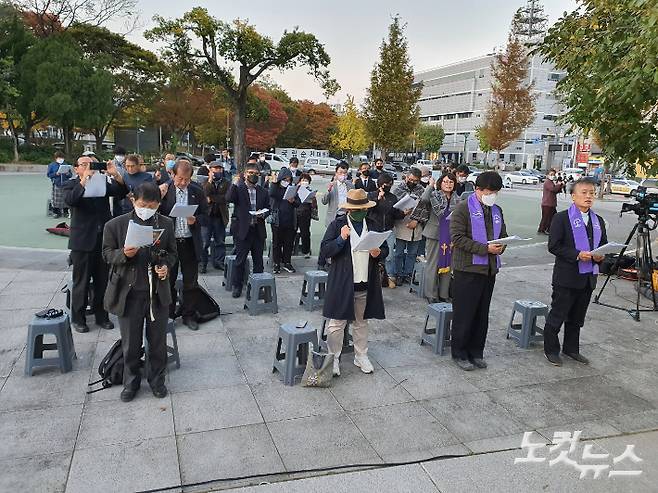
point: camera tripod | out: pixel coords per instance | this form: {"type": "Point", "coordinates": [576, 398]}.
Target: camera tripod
{"type": "Point", "coordinates": [643, 265]}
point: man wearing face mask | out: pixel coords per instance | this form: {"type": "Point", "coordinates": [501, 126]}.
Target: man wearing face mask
{"type": "Point", "coordinates": [217, 220]}
{"type": "Point", "coordinates": [475, 262]}
{"type": "Point", "coordinates": [283, 220]}
{"type": "Point", "coordinates": [265, 170]}
{"type": "Point", "coordinates": [379, 169]}
{"type": "Point", "coordinates": [138, 291]}
{"type": "Point", "coordinates": [365, 181]}
{"type": "Point", "coordinates": [294, 169]}
{"type": "Point", "coordinates": [550, 190]}
{"type": "Point", "coordinates": [132, 177]}
{"type": "Point", "coordinates": [463, 185]}
{"type": "Point", "coordinates": [354, 289]}
{"type": "Point", "coordinates": [336, 195]}
{"type": "Point", "coordinates": [306, 212]}
{"type": "Point", "coordinates": [248, 229]}
{"type": "Point", "coordinates": [425, 176]}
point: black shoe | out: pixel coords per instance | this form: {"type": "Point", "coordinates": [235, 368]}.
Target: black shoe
{"type": "Point", "coordinates": [289, 268]}
{"type": "Point", "coordinates": [128, 395]}
{"type": "Point", "coordinates": [82, 328]}
{"type": "Point", "coordinates": [479, 362]}
{"type": "Point", "coordinates": [160, 391]}
{"type": "Point", "coordinates": [218, 266]}
{"type": "Point", "coordinates": [191, 323]}
{"type": "Point", "coordinates": [464, 364]}
{"type": "Point", "coordinates": [276, 269]}
{"type": "Point", "coordinates": [237, 292]}
{"type": "Point", "coordinates": [554, 359]}
{"type": "Point", "coordinates": [108, 325]}
{"type": "Point", "coordinates": [578, 357]}
{"type": "Point", "coordinates": [203, 269]}
{"type": "Point", "coordinates": [399, 280]}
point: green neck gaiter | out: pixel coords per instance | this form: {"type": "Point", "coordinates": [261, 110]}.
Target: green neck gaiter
{"type": "Point", "coordinates": [358, 216]}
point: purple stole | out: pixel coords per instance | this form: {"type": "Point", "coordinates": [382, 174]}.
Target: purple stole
{"type": "Point", "coordinates": [445, 245]}
{"type": "Point", "coordinates": [479, 230]}
{"type": "Point", "coordinates": [579, 231]}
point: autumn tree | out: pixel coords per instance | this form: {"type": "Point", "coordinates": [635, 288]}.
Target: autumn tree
{"type": "Point", "coordinates": [429, 138]}
{"type": "Point", "coordinates": [512, 105]}
{"type": "Point", "coordinates": [351, 136]}
{"type": "Point", "coordinates": [609, 49]}
{"type": "Point", "coordinates": [309, 125]}
{"type": "Point", "coordinates": [215, 48]}
{"type": "Point", "coordinates": [263, 128]}
{"type": "Point", "coordinates": [391, 104]}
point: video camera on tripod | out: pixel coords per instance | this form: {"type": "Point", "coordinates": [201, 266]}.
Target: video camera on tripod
{"type": "Point", "coordinates": [646, 204]}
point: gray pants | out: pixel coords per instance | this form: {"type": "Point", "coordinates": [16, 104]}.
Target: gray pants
{"type": "Point", "coordinates": [335, 328]}
{"type": "Point", "coordinates": [435, 283]}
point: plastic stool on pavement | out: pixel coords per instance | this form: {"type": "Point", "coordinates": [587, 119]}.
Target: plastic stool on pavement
{"type": "Point", "coordinates": [313, 289]}
{"type": "Point", "coordinates": [348, 345]}
{"type": "Point", "coordinates": [526, 332]}
{"type": "Point", "coordinates": [438, 338]}
{"type": "Point", "coordinates": [59, 327]}
{"type": "Point", "coordinates": [292, 363]}
{"type": "Point", "coordinates": [261, 287]}
{"type": "Point", "coordinates": [229, 263]}
{"type": "Point", "coordinates": [417, 283]}
{"type": "Point", "coordinates": [172, 351]}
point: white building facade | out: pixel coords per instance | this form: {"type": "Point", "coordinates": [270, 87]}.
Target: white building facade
{"type": "Point", "coordinates": [455, 96]}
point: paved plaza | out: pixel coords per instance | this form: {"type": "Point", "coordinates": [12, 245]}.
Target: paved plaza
{"type": "Point", "coordinates": [228, 416]}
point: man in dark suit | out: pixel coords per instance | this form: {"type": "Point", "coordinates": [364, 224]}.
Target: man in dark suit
{"type": "Point", "coordinates": [188, 237]}
{"type": "Point", "coordinates": [574, 233]}
{"type": "Point", "coordinates": [248, 230]}
{"type": "Point", "coordinates": [88, 217]}
{"type": "Point", "coordinates": [365, 181]}
{"type": "Point", "coordinates": [217, 220]}
{"type": "Point", "coordinates": [294, 170]}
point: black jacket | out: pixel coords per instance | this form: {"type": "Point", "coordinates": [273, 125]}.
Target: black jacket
{"type": "Point", "coordinates": [195, 196]}
{"type": "Point", "coordinates": [123, 270]}
{"type": "Point", "coordinates": [283, 210]}
{"type": "Point", "coordinates": [216, 193]}
{"type": "Point", "coordinates": [89, 215]}
{"type": "Point", "coordinates": [561, 244]}
{"type": "Point", "coordinates": [339, 300]}
{"type": "Point", "coordinates": [384, 214]}
{"type": "Point", "coordinates": [370, 187]}
{"type": "Point", "coordinates": [241, 220]}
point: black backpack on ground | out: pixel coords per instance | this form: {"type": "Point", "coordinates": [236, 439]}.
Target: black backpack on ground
{"type": "Point", "coordinates": [110, 368]}
{"type": "Point", "coordinates": [206, 308]}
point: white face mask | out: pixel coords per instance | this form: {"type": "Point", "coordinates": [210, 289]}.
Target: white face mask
{"type": "Point", "coordinates": [425, 179]}
{"type": "Point", "coordinates": [461, 179]}
{"type": "Point", "coordinates": [119, 158]}
{"type": "Point", "coordinates": [59, 160]}
{"type": "Point", "coordinates": [285, 184]}
{"type": "Point", "coordinates": [144, 213]}
{"type": "Point", "coordinates": [489, 200]}
{"type": "Point", "coordinates": [304, 183]}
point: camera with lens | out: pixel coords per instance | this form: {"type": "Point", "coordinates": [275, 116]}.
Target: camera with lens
{"type": "Point", "coordinates": [646, 203]}
{"type": "Point", "coordinates": [158, 256]}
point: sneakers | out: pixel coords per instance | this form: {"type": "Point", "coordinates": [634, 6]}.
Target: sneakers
{"type": "Point", "coordinates": [276, 269]}
{"type": "Point", "coordinates": [464, 364]}
{"type": "Point", "coordinates": [554, 359]}
{"type": "Point", "coordinates": [362, 361]}
{"type": "Point", "coordinates": [578, 357]}
{"type": "Point", "coordinates": [336, 365]}
{"type": "Point", "coordinates": [479, 363]}
{"type": "Point", "coordinates": [307, 255]}
{"type": "Point", "coordinates": [289, 268]}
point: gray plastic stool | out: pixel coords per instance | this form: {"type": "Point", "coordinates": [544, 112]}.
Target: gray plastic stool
{"type": "Point", "coordinates": [292, 363]}
{"type": "Point", "coordinates": [172, 351]}
{"type": "Point", "coordinates": [526, 332]}
{"type": "Point", "coordinates": [438, 338]}
{"type": "Point", "coordinates": [59, 327]}
{"type": "Point", "coordinates": [313, 289]}
{"type": "Point", "coordinates": [417, 283]}
{"type": "Point", "coordinates": [229, 261]}
{"type": "Point", "coordinates": [348, 345]}
{"type": "Point", "coordinates": [261, 287]}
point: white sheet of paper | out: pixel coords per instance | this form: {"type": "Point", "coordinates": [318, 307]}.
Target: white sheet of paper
{"type": "Point", "coordinates": [63, 169]}
{"type": "Point", "coordinates": [96, 186]}
{"type": "Point", "coordinates": [291, 191]}
{"type": "Point", "coordinates": [306, 194]}
{"type": "Point", "coordinates": [372, 239]}
{"type": "Point", "coordinates": [139, 235]}
{"type": "Point", "coordinates": [406, 202]}
{"type": "Point", "coordinates": [608, 248]}
{"type": "Point", "coordinates": [258, 212]}
{"type": "Point", "coordinates": [201, 179]}
{"type": "Point", "coordinates": [179, 210]}
{"type": "Point", "coordinates": [508, 240]}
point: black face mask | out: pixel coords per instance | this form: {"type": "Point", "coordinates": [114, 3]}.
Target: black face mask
{"type": "Point", "coordinates": [380, 167]}
{"type": "Point", "coordinates": [387, 188]}
{"type": "Point", "coordinates": [253, 179]}
{"type": "Point", "coordinates": [411, 185]}
{"type": "Point", "coordinates": [366, 173]}
{"type": "Point", "coordinates": [218, 176]}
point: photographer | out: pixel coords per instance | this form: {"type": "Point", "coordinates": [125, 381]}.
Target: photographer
{"type": "Point", "coordinates": [88, 216]}
{"type": "Point", "coordinates": [551, 188]}
{"type": "Point", "coordinates": [138, 291]}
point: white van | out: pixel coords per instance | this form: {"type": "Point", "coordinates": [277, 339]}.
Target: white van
{"type": "Point", "coordinates": [324, 165]}
{"type": "Point", "coordinates": [573, 173]}
{"type": "Point", "coordinates": [276, 161]}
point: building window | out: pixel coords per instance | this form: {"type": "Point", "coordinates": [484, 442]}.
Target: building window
{"type": "Point", "coordinates": [479, 94]}
{"type": "Point", "coordinates": [450, 117]}
{"type": "Point", "coordinates": [554, 77]}
{"type": "Point", "coordinates": [424, 118]}
{"type": "Point", "coordinates": [512, 158]}
{"type": "Point", "coordinates": [481, 74]}
{"type": "Point", "coordinates": [550, 117]}
{"type": "Point", "coordinates": [464, 115]}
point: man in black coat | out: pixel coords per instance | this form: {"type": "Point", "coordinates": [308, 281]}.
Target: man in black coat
{"type": "Point", "coordinates": [354, 287]}
{"type": "Point", "coordinates": [248, 229]}
{"type": "Point", "coordinates": [189, 243]}
{"type": "Point", "coordinates": [88, 217]}
{"type": "Point", "coordinates": [574, 233]}
{"type": "Point", "coordinates": [364, 180]}
{"type": "Point", "coordinates": [215, 189]}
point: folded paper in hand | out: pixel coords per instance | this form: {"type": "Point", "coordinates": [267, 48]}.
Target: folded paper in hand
{"type": "Point", "coordinates": [179, 210]}
{"type": "Point", "coordinates": [258, 212]}
{"type": "Point", "coordinates": [406, 202]}
{"type": "Point", "coordinates": [608, 248]}
{"type": "Point", "coordinates": [508, 240]}
{"type": "Point", "coordinates": [370, 240]}
{"type": "Point", "coordinates": [291, 191]}
{"type": "Point", "coordinates": [139, 235]}
{"type": "Point", "coordinates": [64, 169]}
{"type": "Point", "coordinates": [96, 186]}
{"type": "Point", "coordinates": [306, 194]}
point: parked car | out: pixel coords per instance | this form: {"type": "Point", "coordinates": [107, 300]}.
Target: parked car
{"type": "Point", "coordinates": [573, 173]}
{"type": "Point", "coordinates": [424, 162]}
{"type": "Point", "coordinates": [195, 160]}
{"type": "Point", "coordinates": [400, 165]}
{"type": "Point", "coordinates": [541, 176]}
{"type": "Point", "coordinates": [522, 177]}
{"type": "Point", "coordinates": [391, 170]}
{"type": "Point", "coordinates": [623, 186]}
{"type": "Point", "coordinates": [325, 165]}
{"type": "Point", "coordinates": [275, 161]}
{"type": "Point", "coordinates": [473, 176]}
{"type": "Point", "coordinates": [473, 169]}
{"type": "Point", "coordinates": [650, 183]}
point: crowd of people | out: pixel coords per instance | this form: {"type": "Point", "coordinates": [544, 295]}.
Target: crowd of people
{"type": "Point", "coordinates": [451, 224]}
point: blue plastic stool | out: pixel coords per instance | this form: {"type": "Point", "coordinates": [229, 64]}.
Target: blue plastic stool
{"type": "Point", "coordinates": [417, 283]}
{"type": "Point", "coordinates": [527, 331]}
{"type": "Point", "coordinates": [439, 337]}
{"type": "Point", "coordinates": [313, 289]}
{"type": "Point", "coordinates": [261, 287]}
{"type": "Point", "coordinates": [59, 327]}
{"type": "Point", "coordinates": [292, 362]}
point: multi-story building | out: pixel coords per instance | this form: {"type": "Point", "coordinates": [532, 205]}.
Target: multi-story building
{"type": "Point", "coordinates": [455, 96]}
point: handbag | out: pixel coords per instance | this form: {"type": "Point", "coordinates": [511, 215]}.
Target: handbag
{"type": "Point", "coordinates": [319, 370]}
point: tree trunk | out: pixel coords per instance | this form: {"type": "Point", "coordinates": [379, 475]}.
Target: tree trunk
{"type": "Point", "coordinates": [14, 138]}
{"type": "Point", "coordinates": [239, 128]}
{"type": "Point", "coordinates": [100, 136]}
{"type": "Point", "coordinates": [67, 140]}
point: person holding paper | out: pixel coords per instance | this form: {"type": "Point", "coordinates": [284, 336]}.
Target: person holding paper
{"type": "Point", "coordinates": [189, 244]}
{"type": "Point", "coordinates": [215, 228]}
{"type": "Point", "coordinates": [307, 211]}
{"type": "Point", "coordinates": [296, 173]}
{"type": "Point", "coordinates": [354, 287]}
{"type": "Point", "coordinates": [408, 231]}
{"type": "Point", "coordinates": [59, 175]}
{"type": "Point", "coordinates": [138, 291]}
{"type": "Point", "coordinates": [283, 219]}
{"type": "Point", "coordinates": [248, 229]}
{"type": "Point", "coordinates": [475, 263]}
{"type": "Point", "coordinates": [88, 217]}
{"type": "Point", "coordinates": [574, 233]}
{"type": "Point", "coordinates": [336, 195]}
